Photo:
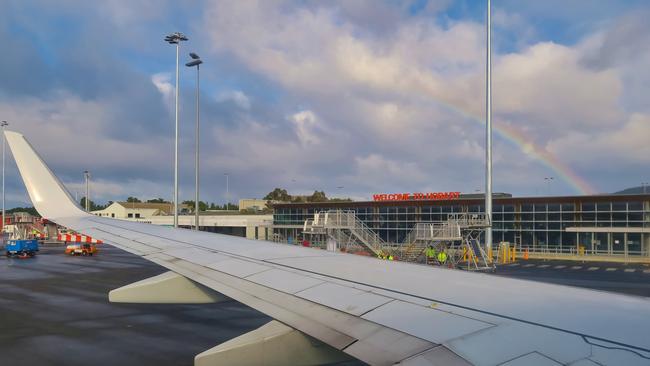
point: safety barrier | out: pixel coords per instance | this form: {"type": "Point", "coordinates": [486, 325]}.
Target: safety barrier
{"type": "Point", "coordinates": [71, 238]}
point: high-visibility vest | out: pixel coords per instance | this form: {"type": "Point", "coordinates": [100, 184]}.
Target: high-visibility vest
{"type": "Point", "coordinates": [442, 257]}
{"type": "Point", "coordinates": [390, 257]}
{"type": "Point", "coordinates": [430, 253]}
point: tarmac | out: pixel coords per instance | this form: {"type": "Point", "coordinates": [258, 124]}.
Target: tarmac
{"type": "Point", "coordinates": [54, 309]}
{"type": "Point", "coordinates": [630, 279]}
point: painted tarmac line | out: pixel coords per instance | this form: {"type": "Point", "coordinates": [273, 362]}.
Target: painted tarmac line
{"type": "Point", "coordinates": [513, 264]}
{"type": "Point", "coordinates": [646, 271]}
{"type": "Point", "coordinates": [592, 268]}
{"type": "Point", "coordinates": [543, 266]}
{"type": "Point", "coordinates": [629, 270]}
{"type": "Point", "coordinates": [576, 267]}
{"type": "Point", "coordinates": [610, 269]}
{"type": "Point", "coordinates": [528, 265]}
{"type": "Point", "coordinates": [559, 267]}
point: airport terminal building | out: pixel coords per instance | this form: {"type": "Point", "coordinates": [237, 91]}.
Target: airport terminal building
{"type": "Point", "coordinates": [604, 225]}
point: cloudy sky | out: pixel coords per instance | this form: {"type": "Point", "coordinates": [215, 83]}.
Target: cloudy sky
{"type": "Point", "coordinates": [366, 95]}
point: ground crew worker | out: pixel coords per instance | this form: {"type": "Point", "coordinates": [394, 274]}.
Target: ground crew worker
{"type": "Point", "coordinates": [442, 257]}
{"type": "Point", "coordinates": [390, 257]}
{"type": "Point", "coordinates": [430, 253]}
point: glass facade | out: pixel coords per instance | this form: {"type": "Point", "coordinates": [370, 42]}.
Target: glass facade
{"type": "Point", "coordinates": [610, 225]}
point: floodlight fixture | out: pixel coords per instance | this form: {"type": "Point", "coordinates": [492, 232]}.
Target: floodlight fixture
{"type": "Point", "coordinates": [192, 63]}
{"type": "Point", "coordinates": [175, 38]}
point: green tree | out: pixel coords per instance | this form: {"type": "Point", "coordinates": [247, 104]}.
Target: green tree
{"type": "Point", "coordinates": [190, 203]}
{"type": "Point", "coordinates": [278, 194]}
{"type": "Point", "coordinates": [93, 205]}
{"type": "Point", "coordinates": [298, 199]}
{"type": "Point", "coordinates": [157, 200]}
{"type": "Point", "coordinates": [133, 199]}
{"type": "Point", "coordinates": [317, 196]}
{"type": "Point", "coordinates": [30, 210]}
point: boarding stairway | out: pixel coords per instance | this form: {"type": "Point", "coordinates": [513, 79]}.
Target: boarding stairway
{"type": "Point", "coordinates": [474, 257]}
{"type": "Point", "coordinates": [424, 234]}
{"type": "Point", "coordinates": [333, 221]}
{"type": "Point", "coordinates": [458, 237]}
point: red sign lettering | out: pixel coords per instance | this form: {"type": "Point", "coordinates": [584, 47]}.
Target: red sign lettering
{"type": "Point", "coordinates": [416, 196]}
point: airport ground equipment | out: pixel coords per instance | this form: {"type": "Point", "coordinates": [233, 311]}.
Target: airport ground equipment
{"type": "Point", "coordinates": [327, 222]}
{"type": "Point", "coordinates": [21, 247]}
{"type": "Point", "coordinates": [328, 306]}
{"type": "Point", "coordinates": [82, 249]}
{"type": "Point", "coordinates": [457, 236]}
{"type": "Point", "coordinates": [77, 238]}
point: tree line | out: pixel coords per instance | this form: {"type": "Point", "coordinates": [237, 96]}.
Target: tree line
{"type": "Point", "coordinates": [203, 206]}
{"type": "Point", "coordinates": [281, 195]}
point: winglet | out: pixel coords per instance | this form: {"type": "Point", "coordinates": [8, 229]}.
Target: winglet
{"type": "Point", "coordinates": [49, 196]}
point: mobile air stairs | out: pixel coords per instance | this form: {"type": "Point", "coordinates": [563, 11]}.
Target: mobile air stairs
{"type": "Point", "coordinates": [346, 229]}
{"type": "Point", "coordinates": [458, 237]}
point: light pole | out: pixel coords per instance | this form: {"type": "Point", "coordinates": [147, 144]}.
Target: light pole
{"type": "Point", "coordinates": [87, 178]}
{"type": "Point", "coordinates": [488, 131]}
{"type": "Point", "coordinates": [4, 124]}
{"type": "Point", "coordinates": [548, 185]}
{"type": "Point", "coordinates": [196, 61]}
{"type": "Point", "coordinates": [176, 38]}
{"type": "Point", "coordinates": [227, 191]}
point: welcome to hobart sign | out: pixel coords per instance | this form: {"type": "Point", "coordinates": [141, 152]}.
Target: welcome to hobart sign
{"type": "Point", "coordinates": [415, 196]}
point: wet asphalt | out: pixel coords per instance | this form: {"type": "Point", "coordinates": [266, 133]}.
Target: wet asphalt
{"type": "Point", "coordinates": [54, 310]}
{"type": "Point", "coordinates": [629, 279]}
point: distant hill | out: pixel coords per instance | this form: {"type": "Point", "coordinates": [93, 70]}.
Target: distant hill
{"type": "Point", "coordinates": [634, 190]}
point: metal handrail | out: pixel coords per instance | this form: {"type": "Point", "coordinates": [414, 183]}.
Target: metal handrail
{"type": "Point", "coordinates": [348, 220]}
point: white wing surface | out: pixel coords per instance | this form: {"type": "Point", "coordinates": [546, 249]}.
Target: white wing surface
{"type": "Point", "coordinates": [380, 312]}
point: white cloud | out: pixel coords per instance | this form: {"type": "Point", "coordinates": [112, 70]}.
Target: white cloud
{"type": "Point", "coordinates": [359, 93]}
{"type": "Point", "coordinates": [547, 84]}
{"type": "Point", "coordinates": [410, 92]}
{"type": "Point", "coordinates": [162, 82]}
{"type": "Point", "coordinates": [306, 127]}
{"type": "Point", "coordinates": [236, 96]}
{"type": "Point", "coordinates": [627, 144]}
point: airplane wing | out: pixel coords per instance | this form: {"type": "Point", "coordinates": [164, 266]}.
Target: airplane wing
{"type": "Point", "coordinates": [379, 312]}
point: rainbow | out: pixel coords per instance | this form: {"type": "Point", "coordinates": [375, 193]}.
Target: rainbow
{"type": "Point", "coordinates": [530, 148]}
{"type": "Point", "coordinates": [551, 161]}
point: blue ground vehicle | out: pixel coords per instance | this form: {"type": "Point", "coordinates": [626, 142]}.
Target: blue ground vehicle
{"type": "Point", "coordinates": [21, 248]}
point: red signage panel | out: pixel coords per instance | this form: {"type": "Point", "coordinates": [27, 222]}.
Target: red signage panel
{"type": "Point", "coordinates": [415, 196]}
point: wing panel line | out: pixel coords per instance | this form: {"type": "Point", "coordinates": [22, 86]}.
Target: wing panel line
{"type": "Point", "coordinates": [511, 318]}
